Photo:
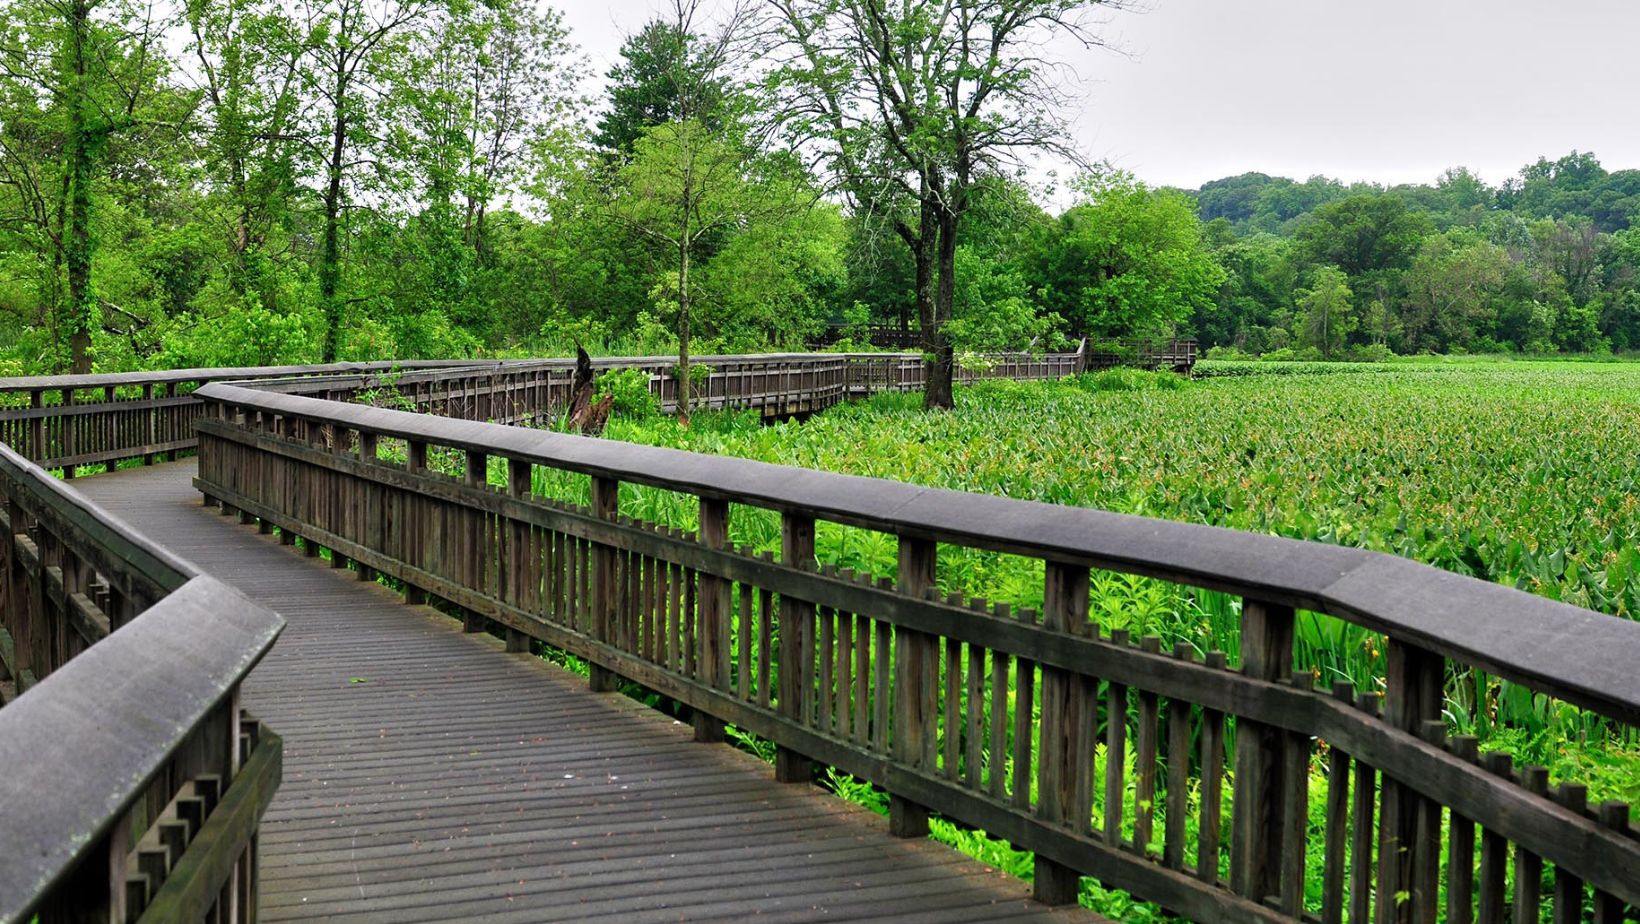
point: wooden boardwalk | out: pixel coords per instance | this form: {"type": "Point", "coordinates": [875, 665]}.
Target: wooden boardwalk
{"type": "Point", "coordinates": [429, 776]}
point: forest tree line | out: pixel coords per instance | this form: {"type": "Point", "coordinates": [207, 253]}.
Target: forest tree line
{"type": "Point", "coordinates": [237, 182]}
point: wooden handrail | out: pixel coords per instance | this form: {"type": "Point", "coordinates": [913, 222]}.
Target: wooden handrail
{"type": "Point", "coordinates": [1552, 646]}
{"type": "Point", "coordinates": [104, 419]}
{"type": "Point", "coordinates": [132, 776]}
{"type": "Point", "coordinates": [990, 717]}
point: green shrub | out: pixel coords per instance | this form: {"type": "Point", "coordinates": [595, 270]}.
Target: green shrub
{"type": "Point", "coordinates": [630, 387]}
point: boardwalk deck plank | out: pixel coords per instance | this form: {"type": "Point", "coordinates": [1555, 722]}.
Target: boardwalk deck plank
{"type": "Point", "coordinates": [430, 776]}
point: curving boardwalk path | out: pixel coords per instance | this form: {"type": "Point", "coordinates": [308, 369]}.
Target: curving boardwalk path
{"type": "Point", "coordinates": [429, 776]}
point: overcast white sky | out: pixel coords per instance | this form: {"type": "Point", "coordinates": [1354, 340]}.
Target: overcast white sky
{"type": "Point", "coordinates": [1385, 90]}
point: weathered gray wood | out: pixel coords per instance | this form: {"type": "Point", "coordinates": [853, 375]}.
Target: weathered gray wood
{"type": "Point", "coordinates": [795, 655]}
{"type": "Point", "coordinates": [1550, 646]}
{"type": "Point", "coordinates": [916, 676]}
{"type": "Point", "coordinates": [113, 717]}
{"type": "Point", "coordinates": [1257, 823]}
{"type": "Point", "coordinates": [458, 835]}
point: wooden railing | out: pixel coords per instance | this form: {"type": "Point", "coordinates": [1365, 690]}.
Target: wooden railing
{"type": "Point", "coordinates": [132, 782]}
{"type": "Point", "coordinates": [65, 421]}
{"type": "Point", "coordinates": [1185, 780]}
{"type": "Point", "coordinates": [775, 384]}
{"type": "Point", "coordinates": [1177, 355]}
{"type": "Point", "coordinates": [87, 420]}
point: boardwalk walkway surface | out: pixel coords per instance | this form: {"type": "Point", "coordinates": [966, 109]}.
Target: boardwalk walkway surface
{"type": "Point", "coordinates": [429, 776]}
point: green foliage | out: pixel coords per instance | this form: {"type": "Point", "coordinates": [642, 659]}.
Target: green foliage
{"type": "Point", "coordinates": [1127, 260]}
{"type": "Point", "coordinates": [1387, 452]}
{"type": "Point", "coordinates": [630, 389]}
{"type": "Point", "coordinates": [1539, 266]}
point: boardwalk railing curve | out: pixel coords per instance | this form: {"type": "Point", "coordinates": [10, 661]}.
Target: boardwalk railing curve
{"type": "Point", "coordinates": [69, 421]}
{"type": "Point", "coordinates": [1104, 757]}
{"type": "Point", "coordinates": [133, 782]}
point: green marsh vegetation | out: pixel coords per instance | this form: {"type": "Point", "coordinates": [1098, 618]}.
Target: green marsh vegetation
{"type": "Point", "coordinates": [1514, 472]}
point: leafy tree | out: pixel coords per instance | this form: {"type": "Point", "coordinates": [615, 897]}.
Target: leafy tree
{"type": "Point", "coordinates": [1362, 233]}
{"type": "Point", "coordinates": [349, 46]}
{"type": "Point", "coordinates": [664, 75]}
{"type": "Point", "coordinates": [916, 104]}
{"type": "Point", "coordinates": [1326, 318]}
{"type": "Point", "coordinates": [1127, 259]}
{"type": "Point", "coordinates": [1453, 287]}
{"type": "Point", "coordinates": [101, 84]}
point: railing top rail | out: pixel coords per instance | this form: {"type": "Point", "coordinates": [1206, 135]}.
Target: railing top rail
{"type": "Point", "coordinates": [114, 714]}
{"type": "Point", "coordinates": [1571, 653]}
{"type": "Point", "coordinates": [300, 382]}
{"type": "Point", "coordinates": [169, 376]}
{"type": "Point", "coordinates": [49, 496]}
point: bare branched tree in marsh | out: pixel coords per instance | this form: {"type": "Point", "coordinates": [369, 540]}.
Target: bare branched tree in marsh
{"type": "Point", "coordinates": [912, 104]}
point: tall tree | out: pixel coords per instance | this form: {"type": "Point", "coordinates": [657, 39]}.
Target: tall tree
{"type": "Point", "coordinates": [347, 42]}
{"type": "Point", "coordinates": [1326, 319]}
{"type": "Point", "coordinates": [666, 74]}
{"type": "Point", "coordinates": [921, 102]}
{"type": "Point", "coordinates": [104, 78]}
{"type": "Point", "coordinates": [686, 181]}
{"type": "Point", "coordinates": [248, 55]}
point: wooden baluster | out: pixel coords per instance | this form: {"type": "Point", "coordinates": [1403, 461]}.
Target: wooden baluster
{"type": "Point", "coordinates": [999, 716]}
{"type": "Point", "coordinates": [69, 436]}
{"type": "Point", "coordinates": [1064, 729]}
{"type": "Point", "coordinates": [1116, 712]}
{"type": "Point", "coordinates": [862, 674]}
{"type": "Point", "coordinates": [37, 429]}
{"type": "Point", "coordinates": [1608, 908]}
{"type": "Point", "coordinates": [1361, 843]}
{"type": "Point", "coordinates": [1144, 796]}
{"type": "Point", "coordinates": [149, 415]}
{"type": "Point", "coordinates": [974, 732]}
{"type": "Point", "coordinates": [1569, 888]}
{"type": "Point", "coordinates": [1494, 852]}
{"type": "Point", "coordinates": [796, 662]}
{"type": "Point", "coordinates": [1256, 828]}
{"type": "Point", "coordinates": [952, 711]}
{"type": "Point", "coordinates": [1178, 772]}
{"type": "Point", "coordinates": [523, 569]}
{"type": "Point", "coordinates": [1412, 696]}
{"type": "Point", "coordinates": [765, 644]}
{"type": "Point", "coordinates": [882, 655]}
{"type": "Point", "coordinates": [469, 568]}
{"type": "Point", "coordinates": [1211, 824]}
{"type": "Point", "coordinates": [1460, 864]}
{"type": "Point", "coordinates": [1528, 865]}
{"type": "Point", "coordinates": [714, 616]}
{"type": "Point", "coordinates": [1295, 811]}
{"type": "Point", "coordinates": [1337, 831]}
{"type": "Point", "coordinates": [916, 690]}
{"type": "Point", "coordinates": [605, 506]}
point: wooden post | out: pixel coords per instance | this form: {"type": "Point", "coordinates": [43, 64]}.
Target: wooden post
{"type": "Point", "coordinates": [714, 616]}
{"type": "Point", "coordinates": [37, 428]}
{"type": "Point", "coordinates": [796, 663]}
{"type": "Point", "coordinates": [471, 568]}
{"type": "Point", "coordinates": [66, 437]}
{"type": "Point", "coordinates": [1256, 827]}
{"type": "Point", "coordinates": [1062, 774]}
{"type": "Point", "coordinates": [149, 437]}
{"type": "Point", "coordinates": [605, 506]}
{"type": "Point", "coordinates": [1407, 864]}
{"type": "Point", "coordinates": [916, 688]}
{"type": "Point", "coordinates": [519, 568]}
